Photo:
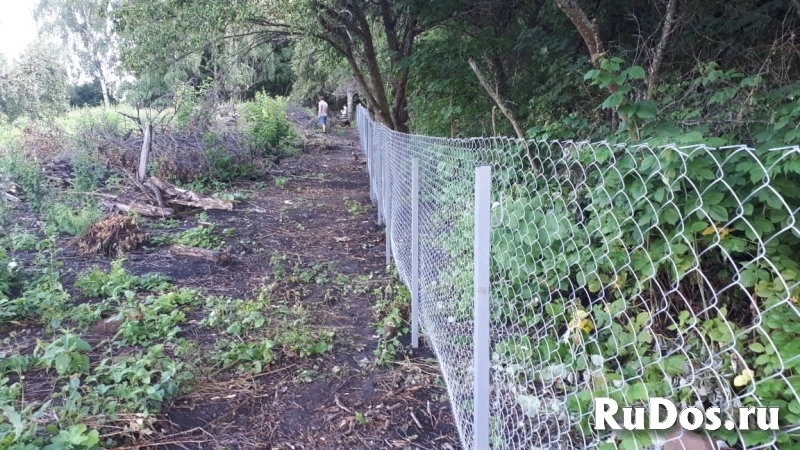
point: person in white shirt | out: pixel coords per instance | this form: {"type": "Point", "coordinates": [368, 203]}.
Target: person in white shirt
{"type": "Point", "coordinates": [322, 113]}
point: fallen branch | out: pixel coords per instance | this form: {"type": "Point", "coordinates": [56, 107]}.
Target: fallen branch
{"type": "Point", "coordinates": [10, 197]}
{"type": "Point", "coordinates": [185, 197]}
{"type": "Point", "coordinates": [195, 252]}
{"type": "Point", "coordinates": [143, 210]}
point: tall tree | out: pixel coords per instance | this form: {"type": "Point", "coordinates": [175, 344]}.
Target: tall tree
{"type": "Point", "coordinates": [35, 85]}
{"type": "Point", "coordinates": [85, 25]}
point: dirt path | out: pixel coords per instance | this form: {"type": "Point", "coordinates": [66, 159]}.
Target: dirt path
{"type": "Point", "coordinates": [320, 217]}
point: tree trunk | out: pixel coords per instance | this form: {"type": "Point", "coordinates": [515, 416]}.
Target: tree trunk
{"type": "Point", "coordinates": [144, 157]}
{"type": "Point", "coordinates": [350, 95]}
{"type": "Point", "coordinates": [655, 67]}
{"type": "Point", "coordinates": [585, 27]}
{"type": "Point", "coordinates": [104, 88]}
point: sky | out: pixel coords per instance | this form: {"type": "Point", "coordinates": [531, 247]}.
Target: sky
{"type": "Point", "coordinates": [17, 27]}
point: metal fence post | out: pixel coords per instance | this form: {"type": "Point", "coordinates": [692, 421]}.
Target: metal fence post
{"type": "Point", "coordinates": [481, 338]}
{"type": "Point", "coordinates": [415, 252]}
{"type": "Point", "coordinates": [379, 177]}
{"type": "Point", "coordinates": [387, 195]}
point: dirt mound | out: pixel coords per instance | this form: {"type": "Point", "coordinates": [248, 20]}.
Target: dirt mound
{"type": "Point", "coordinates": [115, 235]}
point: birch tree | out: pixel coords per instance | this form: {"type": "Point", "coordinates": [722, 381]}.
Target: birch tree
{"type": "Point", "coordinates": [85, 27]}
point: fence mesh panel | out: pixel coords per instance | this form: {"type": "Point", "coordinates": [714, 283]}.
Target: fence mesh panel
{"type": "Point", "coordinates": [627, 272]}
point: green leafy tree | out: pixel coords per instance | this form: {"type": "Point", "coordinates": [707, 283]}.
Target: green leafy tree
{"type": "Point", "coordinates": [35, 85]}
{"type": "Point", "coordinates": [85, 26]}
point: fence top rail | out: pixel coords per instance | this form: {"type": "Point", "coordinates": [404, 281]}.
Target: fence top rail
{"type": "Point", "coordinates": [499, 142]}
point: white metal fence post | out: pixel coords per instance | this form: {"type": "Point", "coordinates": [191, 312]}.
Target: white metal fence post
{"type": "Point", "coordinates": [415, 252]}
{"type": "Point", "coordinates": [387, 189]}
{"type": "Point", "coordinates": [481, 338]}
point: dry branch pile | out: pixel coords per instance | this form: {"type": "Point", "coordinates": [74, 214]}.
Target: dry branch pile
{"type": "Point", "coordinates": [157, 198]}
{"type": "Point", "coordinates": [179, 155]}
{"type": "Point", "coordinates": [59, 171]}
{"type": "Point", "coordinates": [112, 236]}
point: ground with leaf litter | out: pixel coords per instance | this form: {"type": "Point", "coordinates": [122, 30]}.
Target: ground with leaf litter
{"type": "Point", "coordinates": [280, 339]}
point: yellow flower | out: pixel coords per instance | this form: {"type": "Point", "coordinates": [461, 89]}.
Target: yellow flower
{"type": "Point", "coordinates": [744, 378]}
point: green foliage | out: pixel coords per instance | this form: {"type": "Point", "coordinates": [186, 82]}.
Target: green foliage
{"type": "Point", "coordinates": [42, 297]}
{"type": "Point", "coordinates": [269, 130]}
{"type": "Point", "coordinates": [237, 317]}
{"type": "Point", "coordinates": [247, 357]}
{"type": "Point", "coordinates": [303, 342]}
{"type": "Point", "coordinates": [391, 310]}
{"type": "Point", "coordinates": [71, 220]}
{"type": "Point", "coordinates": [222, 165]}
{"type": "Point", "coordinates": [89, 173]}
{"type": "Point", "coordinates": [28, 175]}
{"type": "Point", "coordinates": [590, 263]}
{"type": "Point", "coordinates": [35, 85]}
{"type": "Point", "coordinates": [159, 318]}
{"type": "Point", "coordinates": [67, 355]}
{"type": "Point", "coordinates": [117, 281]}
{"type": "Point", "coordinates": [9, 270]}
{"type": "Point", "coordinates": [203, 236]}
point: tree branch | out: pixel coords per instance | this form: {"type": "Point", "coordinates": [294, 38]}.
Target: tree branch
{"type": "Point", "coordinates": [504, 109]}
{"type": "Point", "coordinates": [585, 27]}
{"type": "Point", "coordinates": [655, 66]}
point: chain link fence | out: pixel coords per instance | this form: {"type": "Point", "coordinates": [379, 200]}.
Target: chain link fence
{"type": "Point", "coordinates": [624, 272]}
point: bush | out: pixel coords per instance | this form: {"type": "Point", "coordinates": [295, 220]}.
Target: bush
{"type": "Point", "coordinates": [28, 175]}
{"type": "Point", "coordinates": [73, 221]}
{"type": "Point", "coordinates": [269, 130]}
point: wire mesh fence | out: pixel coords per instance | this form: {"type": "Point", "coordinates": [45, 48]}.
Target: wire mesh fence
{"type": "Point", "coordinates": [622, 272]}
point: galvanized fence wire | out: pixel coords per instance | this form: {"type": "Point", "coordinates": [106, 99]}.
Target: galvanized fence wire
{"type": "Point", "coordinates": [629, 272]}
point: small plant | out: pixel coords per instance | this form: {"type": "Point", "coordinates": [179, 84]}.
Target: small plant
{"type": "Point", "coordinates": [158, 318]}
{"type": "Point", "coordinates": [23, 241]}
{"type": "Point", "coordinates": [202, 236]}
{"type": "Point", "coordinates": [114, 283]}
{"type": "Point", "coordinates": [67, 355]}
{"type": "Point", "coordinates": [392, 305]}
{"type": "Point", "coordinates": [167, 224]}
{"type": "Point", "coordinates": [235, 316]}
{"type": "Point", "coordinates": [247, 357]}
{"type": "Point", "coordinates": [303, 342]}
{"type": "Point", "coordinates": [353, 207]}
{"type": "Point", "coordinates": [281, 182]}
{"type": "Point", "coordinates": [361, 419]}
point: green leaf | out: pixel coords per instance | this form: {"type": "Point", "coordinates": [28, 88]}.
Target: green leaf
{"type": "Point", "coordinates": [15, 419]}
{"type": "Point", "coordinates": [757, 347]}
{"type": "Point", "coordinates": [613, 100]}
{"type": "Point", "coordinates": [713, 198]}
{"type": "Point", "coordinates": [62, 363]}
{"type": "Point", "coordinates": [646, 109]}
{"type": "Point", "coordinates": [636, 73]}
{"type": "Point", "coordinates": [718, 213]}
{"type": "Point", "coordinates": [591, 74]}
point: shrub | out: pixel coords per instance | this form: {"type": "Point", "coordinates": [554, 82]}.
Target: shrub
{"type": "Point", "coordinates": [269, 130]}
{"type": "Point", "coordinates": [73, 221]}
{"type": "Point", "coordinates": [28, 175]}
